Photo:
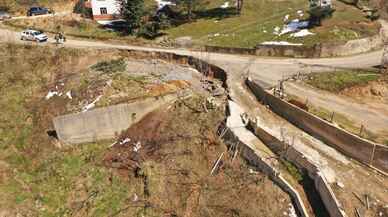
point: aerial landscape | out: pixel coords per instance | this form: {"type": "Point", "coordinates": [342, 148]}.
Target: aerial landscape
{"type": "Point", "coordinates": [194, 108]}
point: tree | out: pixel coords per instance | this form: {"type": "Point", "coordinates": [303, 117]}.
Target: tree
{"type": "Point", "coordinates": [132, 12]}
{"type": "Point", "coordinates": [189, 6]}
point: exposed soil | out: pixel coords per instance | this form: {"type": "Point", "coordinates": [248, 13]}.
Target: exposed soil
{"type": "Point", "coordinates": [376, 91]}
{"type": "Point", "coordinates": [360, 105]}
{"type": "Point", "coordinates": [178, 149]}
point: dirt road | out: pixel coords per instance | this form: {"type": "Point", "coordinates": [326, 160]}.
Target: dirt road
{"type": "Point", "coordinates": [268, 70]}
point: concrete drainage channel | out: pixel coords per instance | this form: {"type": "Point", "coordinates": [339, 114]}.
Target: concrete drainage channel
{"type": "Point", "coordinates": [237, 136]}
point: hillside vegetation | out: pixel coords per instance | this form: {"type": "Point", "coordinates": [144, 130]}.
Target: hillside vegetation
{"type": "Point", "coordinates": [20, 6]}
{"type": "Point", "coordinates": [169, 175]}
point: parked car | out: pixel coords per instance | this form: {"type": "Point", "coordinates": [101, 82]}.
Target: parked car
{"type": "Point", "coordinates": [33, 35]}
{"type": "Point", "coordinates": [4, 15]}
{"type": "Point", "coordinates": [33, 11]}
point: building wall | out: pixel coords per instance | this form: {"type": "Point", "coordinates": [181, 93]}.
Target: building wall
{"type": "Point", "coordinates": [112, 7]}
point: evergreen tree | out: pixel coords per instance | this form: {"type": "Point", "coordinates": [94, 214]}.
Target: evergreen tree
{"type": "Point", "coordinates": [132, 12]}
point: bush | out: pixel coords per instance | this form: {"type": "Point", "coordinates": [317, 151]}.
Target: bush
{"type": "Point", "coordinates": [150, 30]}
{"type": "Point", "coordinates": [112, 66]}
{"type": "Point", "coordinates": [80, 8]}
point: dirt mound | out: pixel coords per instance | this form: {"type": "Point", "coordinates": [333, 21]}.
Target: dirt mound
{"type": "Point", "coordinates": [373, 90]}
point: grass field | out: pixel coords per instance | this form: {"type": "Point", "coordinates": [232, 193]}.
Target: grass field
{"type": "Point", "coordinates": [222, 27]}
{"type": "Point", "coordinates": [340, 80]}
{"type": "Point", "coordinates": [260, 17]}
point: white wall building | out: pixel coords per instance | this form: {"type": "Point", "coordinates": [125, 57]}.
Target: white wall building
{"type": "Point", "coordinates": [104, 9]}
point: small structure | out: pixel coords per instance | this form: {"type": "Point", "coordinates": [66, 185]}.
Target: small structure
{"type": "Point", "coordinates": [104, 10]}
{"type": "Point", "coordinates": [319, 9]}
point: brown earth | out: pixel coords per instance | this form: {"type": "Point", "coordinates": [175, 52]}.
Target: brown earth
{"type": "Point", "coordinates": [373, 91]}
{"type": "Point", "coordinates": [179, 147]}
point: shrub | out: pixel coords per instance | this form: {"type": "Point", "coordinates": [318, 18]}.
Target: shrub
{"type": "Point", "coordinates": [111, 66]}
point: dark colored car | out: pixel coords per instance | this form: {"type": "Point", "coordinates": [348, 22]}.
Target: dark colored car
{"type": "Point", "coordinates": [33, 11]}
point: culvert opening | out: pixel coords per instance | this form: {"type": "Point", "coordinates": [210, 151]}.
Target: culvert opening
{"type": "Point", "coordinates": [52, 134]}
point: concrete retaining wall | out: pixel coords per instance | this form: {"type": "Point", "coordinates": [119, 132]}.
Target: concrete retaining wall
{"type": "Point", "coordinates": [289, 153]}
{"type": "Point", "coordinates": [288, 51]}
{"type": "Point", "coordinates": [373, 155]}
{"type": "Point", "coordinates": [351, 47]}
{"type": "Point", "coordinates": [105, 123]}
{"type": "Point", "coordinates": [254, 159]}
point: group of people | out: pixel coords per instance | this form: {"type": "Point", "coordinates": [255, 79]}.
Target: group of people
{"type": "Point", "coordinates": [60, 38]}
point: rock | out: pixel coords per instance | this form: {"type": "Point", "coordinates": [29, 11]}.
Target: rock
{"type": "Point", "coordinates": [340, 184]}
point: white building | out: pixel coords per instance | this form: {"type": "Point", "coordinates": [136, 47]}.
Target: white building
{"type": "Point", "coordinates": [104, 9]}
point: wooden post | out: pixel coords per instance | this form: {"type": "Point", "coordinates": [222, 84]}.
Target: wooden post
{"type": "Point", "coordinates": [372, 155]}
{"type": "Point", "coordinates": [216, 164]}
{"type": "Point", "coordinates": [361, 129]}
{"type": "Point", "coordinates": [332, 117]}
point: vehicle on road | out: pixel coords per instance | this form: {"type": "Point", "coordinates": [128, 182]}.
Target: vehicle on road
{"type": "Point", "coordinates": [33, 11]}
{"type": "Point", "coordinates": [33, 35]}
{"type": "Point", "coordinates": [4, 16]}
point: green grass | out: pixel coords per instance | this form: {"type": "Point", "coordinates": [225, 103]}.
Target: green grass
{"type": "Point", "coordinates": [112, 66]}
{"type": "Point", "coordinates": [260, 17]}
{"type": "Point", "coordinates": [345, 123]}
{"type": "Point", "coordinates": [340, 80]}
{"type": "Point", "coordinates": [38, 178]}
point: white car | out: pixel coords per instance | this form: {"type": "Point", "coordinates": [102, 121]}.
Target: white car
{"type": "Point", "coordinates": [33, 35]}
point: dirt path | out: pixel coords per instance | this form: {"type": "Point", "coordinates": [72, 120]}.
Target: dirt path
{"type": "Point", "coordinates": [373, 117]}
{"type": "Point", "coordinates": [268, 70]}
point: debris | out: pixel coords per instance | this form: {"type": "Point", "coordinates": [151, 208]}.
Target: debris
{"type": "Point", "coordinates": [51, 94]}
{"type": "Point", "coordinates": [359, 198]}
{"type": "Point", "coordinates": [367, 201]}
{"type": "Point", "coordinates": [300, 13]}
{"type": "Point", "coordinates": [276, 30]}
{"type": "Point", "coordinates": [137, 147]}
{"type": "Point", "coordinates": [218, 91]}
{"type": "Point", "coordinates": [135, 197]}
{"type": "Point", "coordinates": [280, 43]}
{"type": "Point", "coordinates": [225, 5]}
{"type": "Point", "coordinates": [293, 26]}
{"type": "Point", "coordinates": [358, 212]}
{"type": "Point", "coordinates": [340, 184]}
{"type": "Point", "coordinates": [216, 164]}
{"type": "Point", "coordinates": [302, 33]}
{"type": "Point", "coordinates": [291, 211]}
{"type": "Point", "coordinates": [162, 3]}
{"type": "Point", "coordinates": [91, 105]}
{"type": "Point", "coordinates": [285, 19]}
{"type": "Point", "coordinates": [122, 142]}
{"type": "Point", "coordinates": [68, 94]}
